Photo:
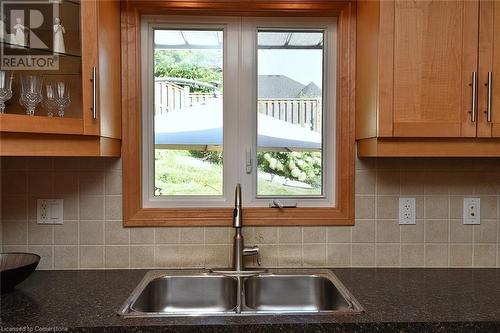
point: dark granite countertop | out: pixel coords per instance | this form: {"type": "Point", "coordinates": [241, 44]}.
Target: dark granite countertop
{"type": "Point", "coordinates": [395, 300]}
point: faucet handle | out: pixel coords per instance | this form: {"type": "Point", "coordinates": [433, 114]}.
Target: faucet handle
{"type": "Point", "coordinates": [252, 251]}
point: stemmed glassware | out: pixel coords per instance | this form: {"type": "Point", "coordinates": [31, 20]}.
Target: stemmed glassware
{"type": "Point", "coordinates": [61, 97]}
{"type": "Point", "coordinates": [5, 88]}
{"type": "Point", "coordinates": [31, 93]}
{"type": "Point", "coordinates": [49, 101]}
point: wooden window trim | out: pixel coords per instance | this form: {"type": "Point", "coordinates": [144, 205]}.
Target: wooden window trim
{"type": "Point", "coordinates": [134, 215]}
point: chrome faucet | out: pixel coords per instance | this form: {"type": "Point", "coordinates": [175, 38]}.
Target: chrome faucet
{"type": "Point", "coordinates": [239, 249]}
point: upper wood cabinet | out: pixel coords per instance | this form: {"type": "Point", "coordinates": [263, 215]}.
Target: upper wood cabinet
{"type": "Point", "coordinates": [422, 78]}
{"type": "Point", "coordinates": [90, 64]}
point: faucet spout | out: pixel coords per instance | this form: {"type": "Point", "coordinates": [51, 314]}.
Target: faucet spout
{"type": "Point", "coordinates": [237, 212]}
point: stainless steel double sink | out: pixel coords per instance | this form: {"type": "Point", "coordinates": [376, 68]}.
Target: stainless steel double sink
{"type": "Point", "coordinates": [191, 293]}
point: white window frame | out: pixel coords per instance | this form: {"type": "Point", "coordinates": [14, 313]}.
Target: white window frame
{"type": "Point", "coordinates": [240, 95]}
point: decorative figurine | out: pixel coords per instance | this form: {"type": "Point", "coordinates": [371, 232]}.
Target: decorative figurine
{"type": "Point", "coordinates": [18, 36]}
{"type": "Point", "coordinates": [58, 36]}
{"type": "Point", "coordinates": [3, 32]}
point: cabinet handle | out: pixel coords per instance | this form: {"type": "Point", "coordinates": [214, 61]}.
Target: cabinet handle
{"type": "Point", "coordinates": [94, 92]}
{"type": "Point", "coordinates": [489, 84]}
{"type": "Point", "coordinates": [474, 97]}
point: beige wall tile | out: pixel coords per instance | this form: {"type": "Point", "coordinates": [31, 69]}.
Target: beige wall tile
{"type": "Point", "coordinates": [40, 183]}
{"type": "Point", "coordinates": [436, 207]}
{"type": "Point", "coordinates": [363, 231]}
{"type": "Point", "coordinates": [459, 232]}
{"type": "Point", "coordinates": [192, 235]}
{"type": "Point", "coordinates": [460, 255]}
{"type": "Point", "coordinates": [365, 207]}
{"type": "Point", "coordinates": [436, 255]}
{"type": "Point", "coordinates": [486, 232]}
{"type": "Point", "coordinates": [388, 255]}
{"type": "Point", "coordinates": [91, 257]}
{"type": "Point", "coordinates": [91, 183]}
{"type": "Point", "coordinates": [338, 234]}
{"type": "Point", "coordinates": [66, 234]}
{"type": "Point", "coordinates": [268, 255]}
{"type": "Point", "coordinates": [14, 182]}
{"type": "Point", "coordinates": [70, 207]}
{"type": "Point", "coordinates": [14, 233]}
{"type": "Point", "coordinates": [142, 256]}
{"type": "Point", "coordinates": [365, 181]}
{"type": "Point", "coordinates": [167, 235]}
{"type": "Point", "coordinates": [113, 182]}
{"type": "Point", "coordinates": [192, 255]}
{"type": "Point", "coordinates": [91, 163]}
{"type": "Point", "coordinates": [39, 234]}
{"type": "Point", "coordinates": [113, 209]}
{"type": "Point", "coordinates": [314, 234]}
{"type": "Point", "coordinates": [290, 234]}
{"type": "Point", "coordinates": [387, 207]}
{"type": "Point", "coordinates": [388, 182]}
{"type": "Point", "coordinates": [289, 255]}
{"type": "Point", "coordinates": [413, 233]}
{"type": "Point", "coordinates": [65, 163]}
{"type": "Point", "coordinates": [91, 208]}
{"type": "Point", "coordinates": [65, 183]}
{"type": "Point", "coordinates": [116, 256]}
{"type": "Point", "coordinates": [412, 182]}
{"type": "Point", "coordinates": [142, 235]}
{"type": "Point", "coordinates": [388, 231]}
{"type": "Point", "coordinates": [363, 255]}
{"type": "Point", "coordinates": [488, 207]}
{"type": "Point", "coordinates": [218, 235]}
{"type": "Point", "coordinates": [45, 253]}
{"type": "Point", "coordinates": [412, 255]}
{"type": "Point", "coordinates": [217, 256]}
{"type": "Point", "coordinates": [65, 257]}
{"type": "Point", "coordinates": [167, 256]}
{"type": "Point", "coordinates": [14, 208]}
{"type": "Point", "coordinates": [338, 255]}
{"type": "Point", "coordinates": [265, 235]}
{"type": "Point", "coordinates": [314, 254]}
{"type": "Point", "coordinates": [436, 231]}
{"type": "Point", "coordinates": [437, 182]}
{"type": "Point", "coordinates": [115, 233]}
{"type": "Point", "coordinates": [91, 232]}
{"type": "Point", "coordinates": [485, 255]}
{"type": "Point", "coordinates": [40, 163]}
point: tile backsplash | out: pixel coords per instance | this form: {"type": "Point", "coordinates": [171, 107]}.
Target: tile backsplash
{"type": "Point", "coordinates": [93, 237]}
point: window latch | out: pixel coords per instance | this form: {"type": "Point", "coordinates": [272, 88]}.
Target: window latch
{"type": "Point", "coordinates": [281, 205]}
{"type": "Point", "coordinates": [248, 160]}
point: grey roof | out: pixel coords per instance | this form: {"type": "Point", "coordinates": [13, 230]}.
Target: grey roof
{"type": "Point", "coordinates": [281, 86]}
{"type": "Point", "coordinates": [311, 90]}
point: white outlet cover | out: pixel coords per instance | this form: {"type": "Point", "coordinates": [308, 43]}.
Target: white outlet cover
{"type": "Point", "coordinates": [472, 211]}
{"type": "Point", "coordinates": [49, 211]}
{"type": "Point", "coordinates": [407, 211]}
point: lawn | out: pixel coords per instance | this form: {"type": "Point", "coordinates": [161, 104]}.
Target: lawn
{"type": "Point", "coordinates": [179, 173]}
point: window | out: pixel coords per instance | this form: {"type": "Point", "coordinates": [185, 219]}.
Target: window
{"type": "Point", "coordinates": [261, 101]}
{"type": "Point", "coordinates": [196, 128]}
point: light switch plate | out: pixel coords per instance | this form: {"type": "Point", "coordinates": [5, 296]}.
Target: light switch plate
{"type": "Point", "coordinates": [49, 211]}
{"type": "Point", "coordinates": [472, 211]}
{"type": "Point", "coordinates": [407, 211]}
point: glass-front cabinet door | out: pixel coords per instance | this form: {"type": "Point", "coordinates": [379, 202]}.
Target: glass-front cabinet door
{"type": "Point", "coordinates": [48, 66]}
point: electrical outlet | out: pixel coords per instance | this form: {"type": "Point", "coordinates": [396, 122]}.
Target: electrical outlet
{"type": "Point", "coordinates": [472, 211]}
{"type": "Point", "coordinates": [407, 211]}
{"type": "Point", "coordinates": [49, 211]}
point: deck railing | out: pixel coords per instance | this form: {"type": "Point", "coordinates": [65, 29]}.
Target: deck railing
{"type": "Point", "coordinates": [305, 112]}
{"type": "Point", "coordinates": [302, 111]}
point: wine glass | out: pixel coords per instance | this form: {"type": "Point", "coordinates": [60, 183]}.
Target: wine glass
{"type": "Point", "coordinates": [61, 97]}
{"type": "Point", "coordinates": [31, 93]}
{"type": "Point", "coordinates": [49, 101]}
{"type": "Point", "coordinates": [5, 88]}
